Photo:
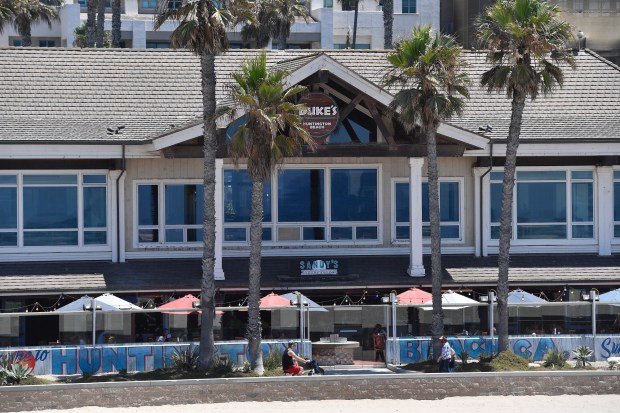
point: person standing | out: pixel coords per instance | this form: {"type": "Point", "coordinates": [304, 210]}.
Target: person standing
{"type": "Point", "coordinates": [445, 356]}
{"type": "Point", "coordinates": [379, 337]}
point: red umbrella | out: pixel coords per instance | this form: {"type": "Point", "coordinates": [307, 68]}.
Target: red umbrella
{"type": "Point", "coordinates": [183, 302]}
{"type": "Point", "coordinates": [274, 300]}
{"type": "Point", "coordinates": [414, 296]}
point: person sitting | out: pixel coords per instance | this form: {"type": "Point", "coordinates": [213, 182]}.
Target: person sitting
{"type": "Point", "coordinates": [290, 359]}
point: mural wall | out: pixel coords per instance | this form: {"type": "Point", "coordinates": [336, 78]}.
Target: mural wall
{"type": "Point", "coordinates": [68, 360]}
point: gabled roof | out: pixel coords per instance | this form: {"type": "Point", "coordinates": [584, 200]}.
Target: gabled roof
{"type": "Point", "coordinates": [73, 95]}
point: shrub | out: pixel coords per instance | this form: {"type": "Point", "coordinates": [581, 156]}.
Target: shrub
{"type": "Point", "coordinates": [612, 365]}
{"type": "Point", "coordinates": [509, 361]}
{"type": "Point", "coordinates": [464, 356]}
{"type": "Point", "coordinates": [582, 354]}
{"type": "Point", "coordinates": [222, 366]}
{"type": "Point", "coordinates": [185, 359]}
{"type": "Point", "coordinates": [273, 360]}
{"type": "Point", "coordinates": [555, 358]}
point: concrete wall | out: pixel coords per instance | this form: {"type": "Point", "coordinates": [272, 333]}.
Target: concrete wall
{"type": "Point", "coordinates": [398, 386]}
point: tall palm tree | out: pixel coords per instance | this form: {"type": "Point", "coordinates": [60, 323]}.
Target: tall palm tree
{"type": "Point", "coordinates": [26, 12]}
{"type": "Point", "coordinates": [388, 22]}
{"type": "Point", "coordinates": [428, 69]}
{"type": "Point", "coordinates": [526, 42]}
{"type": "Point", "coordinates": [91, 22]}
{"type": "Point", "coordinates": [202, 29]}
{"type": "Point", "coordinates": [271, 131]}
{"type": "Point", "coordinates": [274, 19]}
{"type": "Point", "coordinates": [116, 23]}
{"type": "Point", "coordinates": [100, 23]}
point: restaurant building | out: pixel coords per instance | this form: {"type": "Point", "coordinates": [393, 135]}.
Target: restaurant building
{"type": "Point", "coordinates": [101, 182]}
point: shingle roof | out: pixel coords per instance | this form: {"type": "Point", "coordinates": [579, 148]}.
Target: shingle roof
{"type": "Point", "coordinates": [73, 95]}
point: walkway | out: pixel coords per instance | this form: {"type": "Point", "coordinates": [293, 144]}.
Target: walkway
{"type": "Point", "coordinates": [505, 404]}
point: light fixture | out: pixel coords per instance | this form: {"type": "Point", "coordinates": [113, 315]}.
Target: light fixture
{"type": "Point", "coordinates": [486, 128]}
{"type": "Point", "coordinates": [196, 304]}
{"type": "Point", "coordinates": [89, 307]}
{"type": "Point", "coordinates": [592, 295]}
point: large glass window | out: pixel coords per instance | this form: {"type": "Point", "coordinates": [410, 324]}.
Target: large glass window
{"type": "Point", "coordinates": [170, 213]}
{"type": "Point", "coordinates": [238, 206]}
{"type": "Point", "coordinates": [449, 207]}
{"type": "Point", "coordinates": [549, 204]}
{"type": "Point", "coordinates": [8, 206]}
{"type": "Point", "coordinates": [409, 6]}
{"type": "Point", "coordinates": [56, 210]}
{"type": "Point", "coordinates": [616, 204]}
{"type": "Point", "coordinates": [302, 197]}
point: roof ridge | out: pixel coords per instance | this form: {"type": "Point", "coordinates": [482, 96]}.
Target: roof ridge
{"type": "Point", "coordinates": [293, 59]}
{"type": "Point", "coordinates": [602, 59]}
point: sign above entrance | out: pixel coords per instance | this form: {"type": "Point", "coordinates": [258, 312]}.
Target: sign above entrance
{"type": "Point", "coordinates": [320, 117]}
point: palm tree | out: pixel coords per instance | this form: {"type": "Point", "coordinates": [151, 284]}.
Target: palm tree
{"type": "Point", "coordinates": [271, 131]}
{"type": "Point", "coordinates": [526, 42]}
{"type": "Point", "coordinates": [202, 29]}
{"type": "Point", "coordinates": [116, 23]}
{"type": "Point", "coordinates": [7, 10]}
{"type": "Point", "coordinates": [100, 23]}
{"type": "Point", "coordinates": [26, 12]}
{"type": "Point", "coordinates": [428, 67]}
{"type": "Point", "coordinates": [355, 4]}
{"type": "Point", "coordinates": [387, 7]}
{"type": "Point", "coordinates": [274, 19]}
{"type": "Point", "coordinates": [91, 22]}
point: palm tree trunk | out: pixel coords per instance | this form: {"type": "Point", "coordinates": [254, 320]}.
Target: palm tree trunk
{"type": "Point", "coordinates": [388, 23]}
{"type": "Point", "coordinates": [100, 22]}
{"type": "Point", "coordinates": [505, 225]}
{"type": "Point", "coordinates": [254, 330]}
{"type": "Point", "coordinates": [433, 209]}
{"type": "Point", "coordinates": [357, 4]}
{"type": "Point", "coordinates": [116, 23]}
{"type": "Point", "coordinates": [91, 29]}
{"type": "Point", "coordinates": [25, 33]}
{"type": "Point", "coordinates": [207, 290]}
{"type": "Point", "coordinates": [282, 42]}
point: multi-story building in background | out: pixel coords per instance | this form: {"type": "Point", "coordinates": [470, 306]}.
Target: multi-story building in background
{"type": "Point", "coordinates": [329, 27]}
{"type": "Point", "coordinates": [596, 19]}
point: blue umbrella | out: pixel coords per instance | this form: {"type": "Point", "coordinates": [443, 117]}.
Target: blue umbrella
{"type": "Point", "coordinates": [612, 296]}
{"type": "Point", "coordinates": [519, 296]}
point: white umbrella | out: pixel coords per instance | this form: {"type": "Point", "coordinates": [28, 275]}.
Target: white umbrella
{"type": "Point", "coordinates": [118, 303]}
{"type": "Point", "coordinates": [448, 301]}
{"type": "Point", "coordinates": [78, 305]}
{"type": "Point", "coordinates": [312, 305]}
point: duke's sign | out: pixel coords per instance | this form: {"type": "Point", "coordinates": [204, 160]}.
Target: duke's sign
{"type": "Point", "coordinates": [320, 117]}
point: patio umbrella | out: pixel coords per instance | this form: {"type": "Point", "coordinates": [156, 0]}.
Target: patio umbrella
{"type": "Point", "coordinates": [612, 296]}
{"type": "Point", "coordinates": [274, 300]}
{"type": "Point", "coordinates": [448, 299]}
{"type": "Point", "coordinates": [78, 305]}
{"type": "Point", "coordinates": [114, 301]}
{"type": "Point", "coordinates": [184, 302]}
{"type": "Point", "coordinates": [414, 296]}
{"type": "Point", "coordinates": [312, 305]}
{"type": "Point", "coordinates": [520, 296]}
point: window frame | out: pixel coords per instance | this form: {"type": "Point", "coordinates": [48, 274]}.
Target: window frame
{"type": "Point", "coordinates": [408, 7]}
{"type": "Point", "coordinates": [80, 228]}
{"type": "Point", "coordinates": [615, 180]}
{"type": "Point", "coordinates": [327, 224]}
{"type": "Point", "coordinates": [568, 181]}
{"type": "Point", "coordinates": [426, 240]}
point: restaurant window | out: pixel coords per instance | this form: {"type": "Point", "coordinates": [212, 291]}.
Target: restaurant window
{"type": "Point", "coordinates": [40, 210]}
{"type": "Point", "coordinates": [616, 204]}
{"type": "Point", "coordinates": [170, 213]}
{"type": "Point", "coordinates": [449, 207]}
{"type": "Point", "coordinates": [237, 206]}
{"type": "Point", "coordinates": [550, 204]}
